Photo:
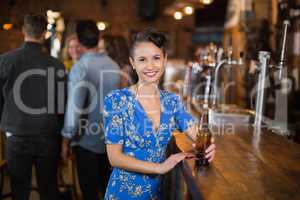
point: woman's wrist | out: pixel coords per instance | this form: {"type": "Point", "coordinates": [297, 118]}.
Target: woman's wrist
{"type": "Point", "coordinates": [158, 168]}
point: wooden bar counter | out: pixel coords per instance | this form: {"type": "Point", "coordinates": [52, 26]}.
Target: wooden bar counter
{"type": "Point", "coordinates": [249, 164]}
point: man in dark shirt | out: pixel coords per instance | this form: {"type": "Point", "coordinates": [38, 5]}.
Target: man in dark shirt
{"type": "Point", "coordinates": [31, 106]}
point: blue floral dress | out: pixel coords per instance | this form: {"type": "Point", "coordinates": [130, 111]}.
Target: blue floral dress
{"type": "Point", "coordinates": [126, 123]}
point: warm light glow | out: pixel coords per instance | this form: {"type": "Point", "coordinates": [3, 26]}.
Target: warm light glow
{"type": "Point", "coordinates": [101, 26]}
{"type": "Point", "coordinates": [60, 25]}
{"type": "Point", "coordinates": [56, 44]}
{"type": "Point", "coordinates": [206, 2]}
{"type": "Point", "coordinates": [7, 26]}
{"type": "Point", "coordinates": [51, 20]}
{"type": "Point", "coordinates": [49, 26]}
{"type": "Point", "coordinates": [178, 15]}
{"type": "Point", "coordinates": [48, 35]}
{"type": "Point", "coordinates": [49, 12]}
{"type": "Point", "coordinates": [53, 14]}
{"type": "Point", "coordinates": [188, 10]}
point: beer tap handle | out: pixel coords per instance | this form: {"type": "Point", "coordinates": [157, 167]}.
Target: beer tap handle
{"type": "Point", "coordinates": [207, 91]}
{"type": "Point", "coordinates": [196, 67]}
{"type": "Point", "coordinates": [241, 62]}
{"type": "Point", "coordinates": [220, 54]}
{"type": "Point", "coordinates": [286, 23]}
{"type": "Point", "coordinates": [229, 54]}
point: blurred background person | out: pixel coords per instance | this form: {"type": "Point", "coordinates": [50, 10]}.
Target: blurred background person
{"type": "Point", "coordinates": [93, 76]}
{"type": "Point", "coordinates": [71, 52]}
{"type": "Point", "coordinates": [32, 125]}
{"type": "Point", "coordinates": [116, 47]}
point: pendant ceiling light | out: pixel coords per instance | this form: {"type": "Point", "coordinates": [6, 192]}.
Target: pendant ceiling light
{"type": "Point", "coordinates": [206, 2]}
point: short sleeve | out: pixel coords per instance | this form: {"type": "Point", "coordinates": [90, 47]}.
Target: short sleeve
{"type": "Point", "coordinates": [113, 122]}
{"type": "Point", "coordinates": [183, 119]}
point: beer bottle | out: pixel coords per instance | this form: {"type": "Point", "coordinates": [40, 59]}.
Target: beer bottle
{"type": "Point", "coordinates": [203, 139]}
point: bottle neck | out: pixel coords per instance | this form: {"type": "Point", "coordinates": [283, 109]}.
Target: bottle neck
{"type": "Point", "coordinates": [204, 122]}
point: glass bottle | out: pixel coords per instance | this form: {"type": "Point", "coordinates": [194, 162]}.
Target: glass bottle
{"type": "Point", "coordinates": [203, 139]}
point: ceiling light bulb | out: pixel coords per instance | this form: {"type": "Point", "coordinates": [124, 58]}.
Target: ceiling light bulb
{"type": "Point", "coordinates": [178, 15]}
{"type": "Point", "coordinates": [101, 26]}
{"type": "Point", "coordinates": [188, 10]}
{"type": "Point", "coordinates": [206, 2]}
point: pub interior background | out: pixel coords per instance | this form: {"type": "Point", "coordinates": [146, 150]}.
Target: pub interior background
{"type": "Point", "coordinates": [241, 28]}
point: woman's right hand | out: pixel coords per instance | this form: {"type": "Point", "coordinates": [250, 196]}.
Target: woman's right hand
{"type": "Point", "coordinates": [171, 162]}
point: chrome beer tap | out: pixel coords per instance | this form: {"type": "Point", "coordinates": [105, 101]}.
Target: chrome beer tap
{"type": "Point", "coordinates": [280, 66]}
{"type": "Point", "coordinates": [279, 124]}
{"type": "Point", "coordinates": [264, 58]}
{"type": "Point", "coordinates": [226, 61]}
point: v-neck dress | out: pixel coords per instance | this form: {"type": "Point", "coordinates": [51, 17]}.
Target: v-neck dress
{"type": "Point", "coordinates": [127, 123]}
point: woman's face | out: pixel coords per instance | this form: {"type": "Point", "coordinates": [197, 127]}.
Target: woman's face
{"type": "Point", "coordinates": [149, 62]}
{"type": "Point", "coordinates": [74, 49]}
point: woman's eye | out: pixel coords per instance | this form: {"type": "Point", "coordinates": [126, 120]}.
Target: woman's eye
{"type": "Point", "coordinates": [156, 57]}
{"type": "Point", "coordinates": [141, 59]}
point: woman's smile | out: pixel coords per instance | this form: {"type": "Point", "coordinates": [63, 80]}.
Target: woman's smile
{"type": "Point", "coordinates": [150, 74]}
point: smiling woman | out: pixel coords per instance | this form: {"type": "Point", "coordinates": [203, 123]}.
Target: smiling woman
{"type": "Point", "coordinates": [148, 55]}
{"type": "Point", "coordinates": [149, 62]}
{"type": "Point", "coordinates": [139, 122]}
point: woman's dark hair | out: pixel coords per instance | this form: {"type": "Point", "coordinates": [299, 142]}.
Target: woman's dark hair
{"type": "Point", "coordinates": [87, 33]}
{"type": "Point", "coordinates": [150, 35]}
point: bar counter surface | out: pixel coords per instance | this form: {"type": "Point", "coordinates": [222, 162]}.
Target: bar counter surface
{"type": "Point", "coordinates": [249, 164]}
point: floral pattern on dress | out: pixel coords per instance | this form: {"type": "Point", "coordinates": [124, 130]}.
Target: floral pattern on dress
{"type": "Point", "coordinates": [126, 123]}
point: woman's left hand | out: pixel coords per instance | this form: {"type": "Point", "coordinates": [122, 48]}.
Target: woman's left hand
{"type": "Point", "coordinates": [211, 151]}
